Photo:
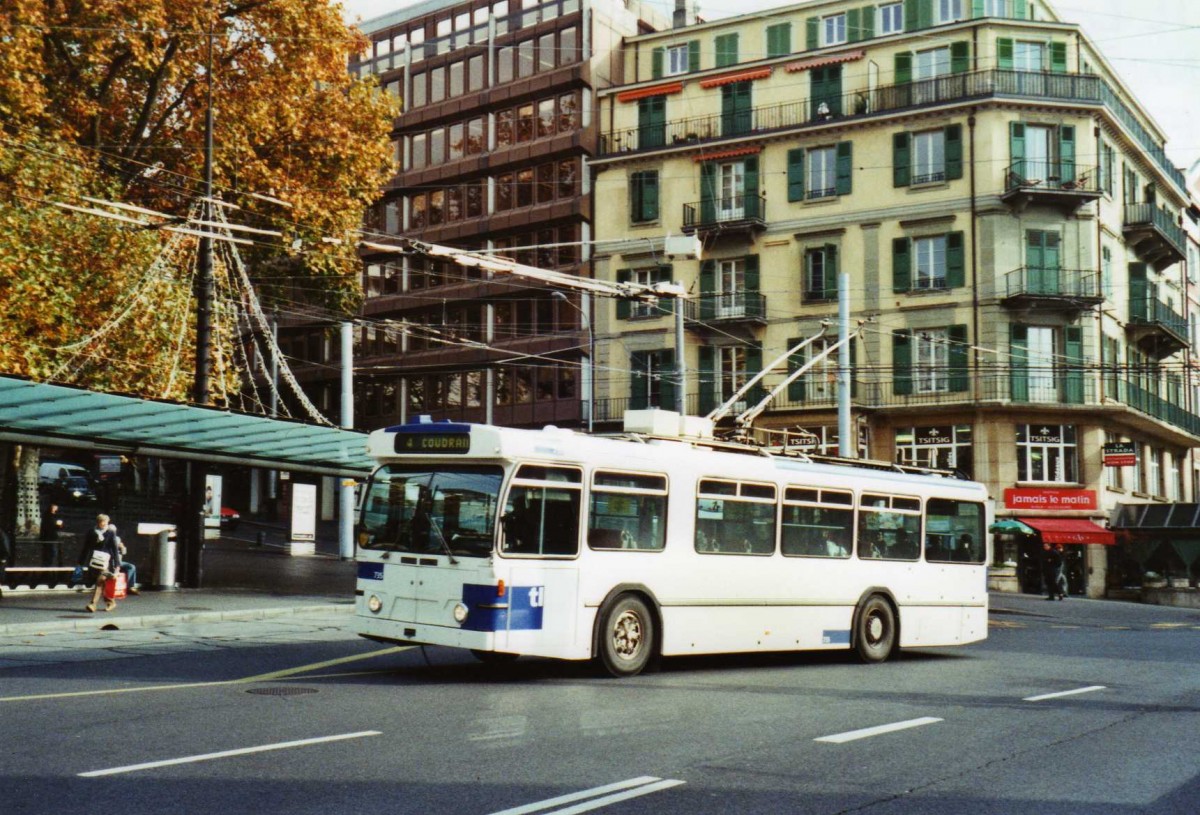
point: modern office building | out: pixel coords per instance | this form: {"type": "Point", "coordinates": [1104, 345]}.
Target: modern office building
{"type": "Point", "coordinates": [498, 119]}
{"type": "Point", "coordinates": [1001, 205]}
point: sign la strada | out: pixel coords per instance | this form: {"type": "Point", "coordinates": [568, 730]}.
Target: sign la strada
{"type": "Point", "coordinates": [1018, 498]}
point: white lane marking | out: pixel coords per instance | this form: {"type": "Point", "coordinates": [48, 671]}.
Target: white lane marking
{"type": "Point", "coordinates": [263, 748]}
{"type": "Point", "coordinates": [657, 786]}
{"type": "Point", "coordinates": [868, 732]}
{"type": "Point", "coordinates": [1088, 689]}
{"type": "Point", "coordinates": [641, 782]}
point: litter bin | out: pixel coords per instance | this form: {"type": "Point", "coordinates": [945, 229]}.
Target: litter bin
{"type": "Point", "coordinates": [164, 551]}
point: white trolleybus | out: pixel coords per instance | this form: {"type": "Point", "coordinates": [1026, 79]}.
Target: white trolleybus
{"type": "Point", "coordinates": [624, 549]}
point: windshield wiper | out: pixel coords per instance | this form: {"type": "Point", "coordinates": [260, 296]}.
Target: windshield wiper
{"type": "Point", "coordinates": [437, 527]}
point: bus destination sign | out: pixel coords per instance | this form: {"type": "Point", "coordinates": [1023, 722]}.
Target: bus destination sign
{"type": "Point", "coordinates": [432, 443]}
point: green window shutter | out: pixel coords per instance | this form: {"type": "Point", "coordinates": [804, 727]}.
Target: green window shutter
{"type": "Point", "coordinates": [643, 196]}
{"type": "Point", "coordinates": [706, 374]}
{"type": "Point", "coordinates": [954, 152]}
{"type": "Point", "coordinates": [901, 169]}
{"type": "Point", "coordinates": [1066, 153]}
{"type": "Point", "coordinates": [666, 383]}
{"type": "Point", "coordinates": [976, 9]}
{"type": "Point", "coordinates": [868, 22]}
{"type": "Point", "coordinates": [708, 285]}
{"type": "Point", "coordinates": [1139, 292]}
{"type": "Point", "coordinates": [960, 57]}
{"type": "Point", "coordinates": [779, 40]}
{"type": "Point", "coordinates": [795, 174]}
{"type": "Point", "coordinates": [1018, 350]}
{"type": "Point", "coordinates": [623, 276]}
{"type": "Point", "coordinates": [912, 15]}
{"type": "Point", "coordinates": [845, 167]}
{"type": "Point", "coordinates": [1016, 147]}
{"type": "Point", "coordinates": [652, 121]}
{"type": "Point", "coordinates": [754, 364]}
{"type": "Point", "coordinates": [902, 383]}
{"type": "Point", "coordinates": [656, 62]}
{"type": "Point", "coordinates": [901, 264]}
{"type": "Point", "coordinates": [924, 13]}
{"type": "Point", "coordinates": [694, 55]}
{"type": "Point", "coordinates": [831, 272]}
{"type": "Point", "coordinates": [664, 274]}
{"type": "Point", "coordinates": [639, 385]}
{"type": "Point", "coordinates": [727, 50]}
{"type": "Point", "coordinates": [812, 32]}
{"type": "Point", "coordinates": [854, 367]}
{"type": "Point", "coordinates": [708, 192]}
{"type": "Point", "coordinates": [958, 353]}
{"type": "Point", "coordinates": [1073, 377]}
{"type": "Point", "coordinates": [751, 262]}
{"type": "Point", "coordinates": [853, 25]}
{"type": "Point", "coordinates": [1019, 12]}
{"type": "Point", "coordinates": [956, 261]}
{"type": "Point", "coordinates": [1058, 57]}
{"type": "Point", "coordinates": [1004, 54]}
{"type": "Point", "coordinates": [903, 64]}
{"type": "Point", "coordinates": [795, 389]}
{"type": "Point", "coordinates": [753, 202]}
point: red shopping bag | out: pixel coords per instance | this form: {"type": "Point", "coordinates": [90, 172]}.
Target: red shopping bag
{"type": "Point", "coordinates": [115, 587]}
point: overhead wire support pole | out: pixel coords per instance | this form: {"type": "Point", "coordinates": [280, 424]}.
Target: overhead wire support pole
{"type": "Point", "coordinates": [847, 447]}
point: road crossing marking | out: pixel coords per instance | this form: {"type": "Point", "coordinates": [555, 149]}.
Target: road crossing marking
{"type": "Point", "coordinates": [608, 794]}
{"type": "Point", "coordinates": [1059, 694]}
{"type": "Point", "coordinates": [868, 732]}
{"type": "Point", "coordinates": [262, 748]}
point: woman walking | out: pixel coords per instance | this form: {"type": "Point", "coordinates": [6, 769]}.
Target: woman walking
{"type": "Point", "coordinates": [102, 539]}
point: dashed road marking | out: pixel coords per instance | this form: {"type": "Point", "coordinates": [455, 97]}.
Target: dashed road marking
{"type": "Point", "coordinates": [1168, 625]}
{"type": "Point", "coordinates": [1061, 693]}
{"type": "Point", "coordinates": [600, 796]}
{"type": "Point", "coordinates": [868, 732]}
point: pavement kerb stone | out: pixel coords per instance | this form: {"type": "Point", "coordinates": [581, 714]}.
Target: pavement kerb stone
{"type": "Point", "coordinates": [100, 620]}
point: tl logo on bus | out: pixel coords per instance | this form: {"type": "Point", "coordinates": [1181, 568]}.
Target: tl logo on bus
{"type": "Point", "coordinates": [523, 611]}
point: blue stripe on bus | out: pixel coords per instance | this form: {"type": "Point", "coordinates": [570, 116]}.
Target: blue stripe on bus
{"type": "Point", "coordinates": [370, 571]}
{"type": "Point", "coordinates": [520, 609]}
{"type": "Point", "coordinates": [835, 637]}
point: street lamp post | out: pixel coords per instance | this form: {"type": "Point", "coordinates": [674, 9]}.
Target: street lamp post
{"type": "Point", "coordinates": [589, 391]}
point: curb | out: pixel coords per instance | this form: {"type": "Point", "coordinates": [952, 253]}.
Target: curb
{"type": "Point", "coordinates": [101, 621]}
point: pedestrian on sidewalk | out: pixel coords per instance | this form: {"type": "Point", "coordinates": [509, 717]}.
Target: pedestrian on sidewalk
{"type": "Point", "coordinates": [52, 524]}
{"type": "Point", "coordinates": [101, 538]}
{"type": "Point", "coordinates": [1052, 562]}
{"type": "Point", "coordinates": [1061, 584]}
{"type": "Point", "coordinates": [126, 565]}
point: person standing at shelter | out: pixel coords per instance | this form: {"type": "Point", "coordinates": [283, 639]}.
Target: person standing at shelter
{"type": "Point", "coordinates": [126, 565]}
{"type": "Point", "coordinates": [52, 524]}
{"type": "Point", "coordinates": [103, 539]}
{"type": "Point", "coordinates": [1052, 562]}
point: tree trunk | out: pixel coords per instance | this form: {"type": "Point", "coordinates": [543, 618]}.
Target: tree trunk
{"type": "Point", "coordinates": [29, 509]}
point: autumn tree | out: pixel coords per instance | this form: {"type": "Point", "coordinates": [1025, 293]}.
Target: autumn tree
{"type": "Point", "coordinates": [106, 99]}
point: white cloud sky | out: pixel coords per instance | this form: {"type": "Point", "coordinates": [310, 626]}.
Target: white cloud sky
{"type": "Point", "coordinates": [1154, 45]}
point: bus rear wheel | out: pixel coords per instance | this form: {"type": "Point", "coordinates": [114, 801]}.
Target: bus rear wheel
{"type": "Point", "coordinates": [627, 637]}
{"type": "Point", "coordinates": [875, 633]}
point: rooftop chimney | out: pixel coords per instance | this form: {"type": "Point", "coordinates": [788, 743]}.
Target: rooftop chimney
{"type": "Point", "coordinates": [679, 19]}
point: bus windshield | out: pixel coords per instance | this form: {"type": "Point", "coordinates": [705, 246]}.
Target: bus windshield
{"type": "Point", "coordinates": [416, 509]}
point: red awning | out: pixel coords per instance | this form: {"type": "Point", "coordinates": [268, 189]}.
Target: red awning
{"type": "Point", "coordinates": [733, 152]}
{"type": "Point", "coordinates": [1070, 530]}
{"type": "Point", "coordinates": [821, 62]}
{"type": "Point", "coordinates": [654, 90]}
{"type": "Point", "coordinates": [739, 76]}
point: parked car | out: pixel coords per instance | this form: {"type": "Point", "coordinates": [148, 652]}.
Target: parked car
{"type": "Point", "coordinates": [229, 518]}
{"type": "Point", "coordinates": [66, 483]}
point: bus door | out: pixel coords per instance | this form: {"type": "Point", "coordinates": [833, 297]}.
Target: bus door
{"type": "Point", "coordinates": [540, 544]}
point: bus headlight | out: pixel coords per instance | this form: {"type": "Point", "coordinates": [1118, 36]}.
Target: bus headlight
{"type": "Point", "coordinates": [460, 613]}
{"type": "Point", "coordinates": [374, 604]}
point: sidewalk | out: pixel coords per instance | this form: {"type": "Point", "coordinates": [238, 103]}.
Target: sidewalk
{"type": "Point", "coordinates": [241, 581]}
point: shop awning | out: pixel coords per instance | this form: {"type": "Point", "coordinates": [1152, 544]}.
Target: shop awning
{"type": "Point", "coordinates": [654, 90]}
{"type": "Point", "coordinates": [739, 76]}
{"type": "Point", "coordinates": [820, 62]}
{"type": "Point", "coordinates": [1070, 530]}
{"type": "Point", "coordinates": [733, 152]}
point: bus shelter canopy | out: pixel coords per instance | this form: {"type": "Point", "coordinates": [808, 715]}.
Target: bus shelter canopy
{"type": "Point", "coordinates": [61, 416]}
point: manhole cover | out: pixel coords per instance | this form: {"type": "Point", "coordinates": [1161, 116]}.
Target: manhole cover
{"type": "Point", "coordinates": [289, 690]}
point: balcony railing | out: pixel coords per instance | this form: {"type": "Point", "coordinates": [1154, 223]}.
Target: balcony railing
{"type": "Point", "coordinates": [967, 86]}
{"type": "Point", "coordinates": [725, 212]}
{"type": "Point", "coordinates": [1037, 283]}
{"type": "Point", "coordinates": [1151, 217]}
{"type": "Point", "coordinates": [739, 306]}
{"type": "Point", "coordinates": [1150, 311]}
{"type": "Point", "coordinates": [1031, 387]}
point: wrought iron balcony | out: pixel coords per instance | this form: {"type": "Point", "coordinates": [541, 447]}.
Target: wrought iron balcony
{"type": "Point", "coordinates": [1062, 289]}
{"type": "Point", "coordinates": [969, 86]}
{"type": "Point", "coordinates": [1154, 235]}
{"type": "Point", "coordinates": [732, 213]}
{"type": "Point", "coordinates": [745, 306]}
{"type": "Point", "coordinates": [1156, 328]}
{"type": "Point", "coordinates": [1055, 183]}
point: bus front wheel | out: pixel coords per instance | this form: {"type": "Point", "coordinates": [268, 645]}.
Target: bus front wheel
{"type": "Point", "coordinates": [626, 637]}
{"type": "Point", "coordinates": [875, 634]}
